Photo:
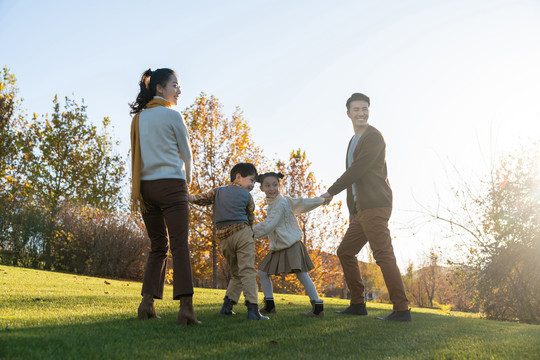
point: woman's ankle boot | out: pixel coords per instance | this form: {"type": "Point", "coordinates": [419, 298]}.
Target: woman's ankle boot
{"type": "Point", "coordinates": [186, 315]}
{"type": "Point", "coordinates": [146, 309]}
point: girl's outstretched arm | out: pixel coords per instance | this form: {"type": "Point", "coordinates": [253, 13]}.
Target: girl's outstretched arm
{"type": "Point", "coordinates": [273, 219]}
{"type": "Point", "coordinates": [302, 205]}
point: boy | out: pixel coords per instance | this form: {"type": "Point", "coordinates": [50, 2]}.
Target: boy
{"type": "Point", "coordinates": [233, 219]}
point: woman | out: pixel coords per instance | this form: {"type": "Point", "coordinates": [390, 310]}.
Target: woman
{"type": "Point", "coordinates": [161, 162]}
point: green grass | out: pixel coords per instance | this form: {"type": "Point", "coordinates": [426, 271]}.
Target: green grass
{"type": "Point", "coordinates": [62, 316]}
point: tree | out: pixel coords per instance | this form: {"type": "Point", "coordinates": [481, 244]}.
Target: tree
{"type": "Point", "coordinates": [411, 285]}
{"type": "Point", "coordinates": [65, 158]}
{"type": "Point", "coordinates": [21, 223]}
{"type": "Point", "coordinates": [9, 106]}
{"type": "Point", "coordinates": [429, 277]}
{"type": "Point", "coordinates": [218, 143]}
{"type": "Point", "coordinates": [373, 279]}
{"type": "Point", "coordinates": [501, 223]}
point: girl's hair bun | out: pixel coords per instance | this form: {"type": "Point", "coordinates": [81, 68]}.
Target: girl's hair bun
{"type": "Point", "coordinates": [261, 177]}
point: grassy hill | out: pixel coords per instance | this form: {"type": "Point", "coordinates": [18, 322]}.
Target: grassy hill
{"type": "Point", "coordinates": [47, 315]}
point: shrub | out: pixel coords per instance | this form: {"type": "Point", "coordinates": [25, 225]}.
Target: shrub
{"type": "Point", "coordinates": [99, 243]}
{"type": "Point", "coordinates": [22, 230]}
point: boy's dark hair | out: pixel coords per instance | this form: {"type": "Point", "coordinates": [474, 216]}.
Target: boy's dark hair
{"type": "Point", "coordinates": [357, 97]}
{"type": "Point", "coordinates": [244, 169]}
{"type": "Point", "coordinates": [261, 177]}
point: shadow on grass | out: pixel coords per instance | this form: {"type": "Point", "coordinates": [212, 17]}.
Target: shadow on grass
{"type": "Point", "coordinates": [286, 336]}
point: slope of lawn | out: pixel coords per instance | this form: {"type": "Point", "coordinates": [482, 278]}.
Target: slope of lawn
{"type": "Point", "coordinates": [47, 315]}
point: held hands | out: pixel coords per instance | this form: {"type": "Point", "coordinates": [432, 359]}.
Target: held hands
{"type": "Point", "coordinates": [327, 198]}
{"type": "Point", "coordinates": [190, 198]}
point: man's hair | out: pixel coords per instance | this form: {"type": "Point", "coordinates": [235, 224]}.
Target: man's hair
{"type": "Point", "coordinates": [244, 169]}
{"type": "Point", "coordinates": [356, 97]}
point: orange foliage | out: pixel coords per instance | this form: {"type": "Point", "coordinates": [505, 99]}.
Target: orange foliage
{"type": "Point", "coordinates": [218, 143]}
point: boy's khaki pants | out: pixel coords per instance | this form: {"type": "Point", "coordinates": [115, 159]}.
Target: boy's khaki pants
{"type": "Point", "coordinates": [371, 225]}
{"type": "Point", "coordinates": [239, 251]}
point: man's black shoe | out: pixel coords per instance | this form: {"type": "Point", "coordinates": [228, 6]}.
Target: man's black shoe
{"type": "Point", "coordinates": [354, 309]}
{"type": "Point", "coordinates": [397, 316]}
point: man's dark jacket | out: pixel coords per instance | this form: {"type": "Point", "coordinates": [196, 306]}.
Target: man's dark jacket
{"type": "Point", "coordinates": [367, 173]}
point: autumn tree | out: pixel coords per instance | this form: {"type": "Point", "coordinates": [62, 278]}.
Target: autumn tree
{"type": "Point", "coordinates": [429, 277]}
{"type": "Point", "coordinates": [462, 293]}
{"type": "Point", "coordinates": [218, 143]}
{"type": "Point", "coordinates": [411, 285]}
{"type": "Point", "coordinates": [500, 221]}
{"type": "Point", "coordinates": [373, 278]}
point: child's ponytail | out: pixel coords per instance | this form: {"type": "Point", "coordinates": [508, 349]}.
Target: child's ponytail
{"type": "Point", "coordinates": [261, 177]}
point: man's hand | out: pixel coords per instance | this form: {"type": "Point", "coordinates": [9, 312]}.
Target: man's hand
{"type": "Point", "coordinates": [190, 198]}
{"type": "Point", "coordinates": [327, 198]}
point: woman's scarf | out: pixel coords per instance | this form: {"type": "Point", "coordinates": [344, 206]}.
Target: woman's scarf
{"type": "Point", "coordinates": [136, 197]}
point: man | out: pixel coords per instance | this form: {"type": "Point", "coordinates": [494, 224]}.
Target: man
{"type": "Point", "coordinates": [369, 199]}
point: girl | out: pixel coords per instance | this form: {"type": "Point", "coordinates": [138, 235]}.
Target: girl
{"type": "Point", "coordinates": [287, 252]}
{"type": "Point", "coordinates": [161, 162]}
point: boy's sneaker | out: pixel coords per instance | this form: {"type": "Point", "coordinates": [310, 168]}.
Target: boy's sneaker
{"type": "Point", "coordinates": [253, 312]}
{"type": "Point", "coordinates": [228, 304]}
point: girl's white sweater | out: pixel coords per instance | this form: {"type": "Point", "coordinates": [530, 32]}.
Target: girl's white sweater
{"type": "Point", "coordinates": [281, 225]}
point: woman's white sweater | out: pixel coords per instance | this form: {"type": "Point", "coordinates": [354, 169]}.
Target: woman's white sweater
{"type": "Point", "coordinates": [281, 225]}
{"type": "Point", "coordinates": [165, 149]}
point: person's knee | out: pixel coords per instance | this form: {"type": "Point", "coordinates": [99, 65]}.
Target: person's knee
{"type": "Point", "coordinates": [385, 256]}
{"type": "Point", "coordinates": [159, 251]}
{"type": "Point", "coordinates": [343, 253]}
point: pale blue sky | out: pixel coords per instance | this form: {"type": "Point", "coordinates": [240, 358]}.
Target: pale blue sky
{"type": "Point", "coordinates": [451, 81]}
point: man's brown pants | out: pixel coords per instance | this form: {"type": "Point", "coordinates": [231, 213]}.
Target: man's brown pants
{"type": "Point", "coordinates": [371, 225]}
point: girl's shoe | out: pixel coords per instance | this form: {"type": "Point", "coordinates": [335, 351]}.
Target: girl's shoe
{"type": "Point", "coordinates": [317, 310]}
{"type": "Point", "coordinates": [269, 306]}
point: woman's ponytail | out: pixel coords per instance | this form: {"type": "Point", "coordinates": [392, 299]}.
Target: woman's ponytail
{"type": "Point", "coordinates": [147, 87]}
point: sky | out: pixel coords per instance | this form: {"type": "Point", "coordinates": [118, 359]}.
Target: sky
{"type": "Point", "coordinates": [453, 84]}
